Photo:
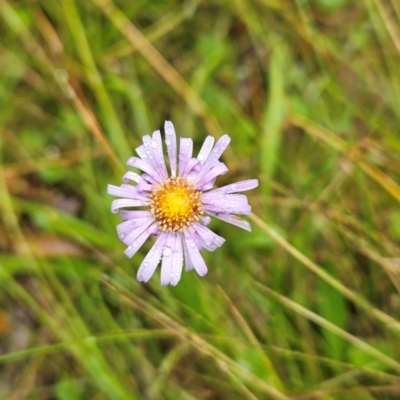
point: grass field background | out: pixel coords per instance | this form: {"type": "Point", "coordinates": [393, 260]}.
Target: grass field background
{"type": "Point", "coordinates": [307, 305]}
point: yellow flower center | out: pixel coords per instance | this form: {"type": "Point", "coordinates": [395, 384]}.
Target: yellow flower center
{"type": "Point", "coordinates": [176, 204]}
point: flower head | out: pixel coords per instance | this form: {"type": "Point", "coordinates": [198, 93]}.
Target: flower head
{"type": "Point", "coordinates": [176, 207]}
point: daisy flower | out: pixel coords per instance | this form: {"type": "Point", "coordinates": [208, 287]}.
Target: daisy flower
{"type": "Point", "coordinates": [176, 207]}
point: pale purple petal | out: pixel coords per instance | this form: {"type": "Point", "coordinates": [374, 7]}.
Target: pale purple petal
{"type": "Point", "coordinates": [128, 234]}
{"type": "Point", "coordinates": [135, 192]}
{"type": "Point", "coordinates": [219, 148]}
{"type": "Point", "coordinates": [147, 178]}
{"type": "Point", "coordinates": [147, 153]}
{"type": "Point", "coordinates": [131, 229]}
{"type": "Point", "coordinates": [143, 186]}
{"type": "Point", "coordinates": [154, 154]}
{"type": "Point", "coordinates": [167, 260]}
{"type": "Point", "coordinates": [135, 246]}
{"type": "Point", "coordinates": [232, 219]}
{"type": "Point", "coordinates": [237, 187]}
{"type": "Point", "coordinates": [212, 198]}
{"type": "Point", "coordinates": [191, 169]}
{"type": "Point", "coordinates": [150, 262]}
{"type": "Point", "coordinates": [145, 167]}
{"type": "Point", "coordinates": [128, 226]}
{"type": "Point", "coordinates": [206, 220]}
{"type": "Point", "coordinates": [141, 151]}
{"type": "Point", "coordinates": [188, 261]}
{"type": "Point", "coordinates": [170, 141]}
{"type": "Point", "coordinates": [136, 220]}
{"type": "Point", "coordinates": [214, 156]}
{"type": "Point", "coordinates": [244, 209]}
{"type": "Point", "coordinates": [177, 261]}
{"type": "Point", "coordinates": [230, 203]}
{"type": "Point", "coordinates": [146, 140]}
{"type": "Point", "coordinates": [132, 176]}
{"type": "Point", "coordinates": [197, 239]}
{"type": "Point", "coordinates": [127, 191]}
{"type": "Point", "coordinates": [148, 150]}
{"type": "Point", "coordinates": [159, 161]}
{"type": "Point", "coordinates": [206, 149]}
{"type": "Point", "coordinates": [123, 203]}
{"type": "Point", "coordinates": [207, 186]}
{"type": "Point", "coordinates": [185, 153]}
{"type": "Point", "coordinates": [209, 239]}
{"type": "Point", "coordinates": [194, 254]}
{"type": "Point", "coordinates": [219, 169]}
{"type": "Point", "coordinates": [137, 214]}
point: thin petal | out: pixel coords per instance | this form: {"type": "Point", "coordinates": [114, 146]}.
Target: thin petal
{"type": "Point", "coordinates": [230, 203]}
{"type": "Point", "coordinates": [146, 140]}
{"type": "Point", "coordinates": [232, 219]}
{"type": "Point", "coordinates": [194, 254]}
{"type": "Point", "coordinates": [128, 233]}
{"type": "Point", "coordinates": [209, 240]}
{"type": "Point", "coordinates": [170, 141]}
{"type": "Point", "coordinates": [143, 186]}
{"type": "Point", "coordinates": [185, 153]}
{"type": "Point", "coordinates": [128, 191]}
{"type": "Point", "coordinates": [227, 199]}
{"type": "Point", "coordinates": [192, 168]}
{"type": "Point", "coordinates": [206, 220]}
{"type": "Point", "coordinates": [148, 153]}
{"type": "Point", "coordinates": [143, 154]}
{"type": "Point", "coordinates": [149, 179]}
{"type": "Point", "coordinates": [177, 262]}
{"type": "Point", "coordinates": [150, 262]}
{"type": "Point", "coordinates": [148, 150]}
{"type": "Point", "coordinates": [237, 187]}
{"type": "Point", "coordinates": [167, 261]}
{"type": "Point", "coordinates": [219, 148]}
{"type": "Point", "coordinates": [131, 176]}
{"type": "Point", "coordinates": [214, 156]}
{"type": "Point", "coordinates": [154, 153]}
{"type": "Point", "coordinates": [131, 223]}
{"type": "Point", "coordinates": [138, 243]}
{"type": "Point", "coordinates": [127, 214]}
{"type": "Point", "coordinates": [206, 149]}
{"type": "Point", "coordinates": [123, 203]}
{"type": "Point", "coordinates": [197, 239]}
{"type": "Point", "coordinates": [145, 167]}
{"type": "Point", "coordinates": [233, 208]}
{"type": "Point", "coordinates": [135, 192]}
{"type": "Point", "coordinates": [207, 186]}
{"type": "Point", "coordinates": [159, 161]}
{"type": "Point", "coordinates": [188, 261]}
{"type": "Point", "coordinates": [219, 169]}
